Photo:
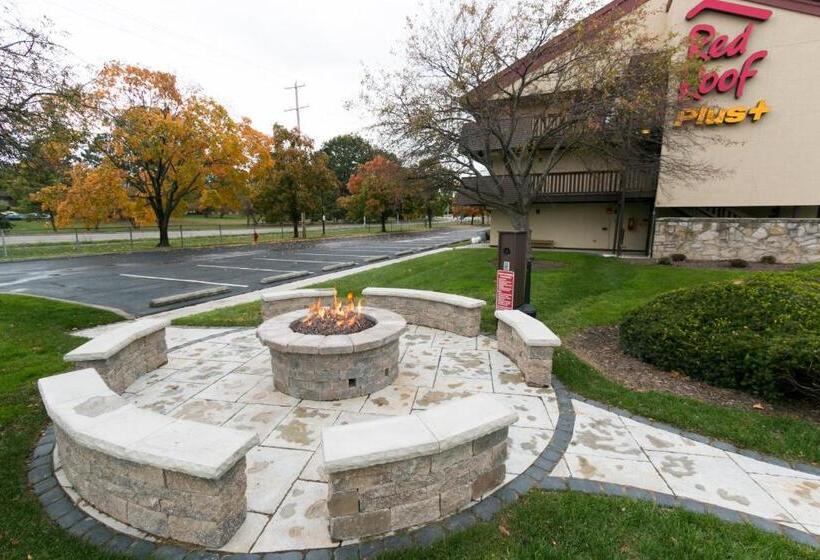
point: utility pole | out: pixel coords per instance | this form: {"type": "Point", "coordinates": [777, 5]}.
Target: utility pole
{"type": "Point", "coordinates": [295, 87]}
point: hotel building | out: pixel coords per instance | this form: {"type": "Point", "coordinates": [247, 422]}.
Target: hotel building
{"type": "Point", "coordinates": [763, 101]}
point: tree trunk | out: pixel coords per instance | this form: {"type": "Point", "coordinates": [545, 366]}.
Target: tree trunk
{"type": "Point", "coordinates": [295, 219]}
{"type": "Point", "coordinates": [429, 218]}
{"type": "Point", "coordinates": [164, 240]}
{"type": "Point", "coordinates": [384, 223]}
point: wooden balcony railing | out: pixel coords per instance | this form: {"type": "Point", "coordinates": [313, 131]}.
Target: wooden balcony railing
{"type": "Point", "coordinates": [597, 182]}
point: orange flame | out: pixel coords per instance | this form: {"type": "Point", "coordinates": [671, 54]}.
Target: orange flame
{"type": "Point", "coordinates": [343, 314]}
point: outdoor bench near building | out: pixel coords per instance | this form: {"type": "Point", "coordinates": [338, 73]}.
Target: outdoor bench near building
{"type": "Point", "coordinates": [437, 310]}
{"type": "Point", "coordinates": [173, 478]}
{"type": "Point", "coordinates": [124, 353]}
{"type": "Point", "coordinates": [387, 475]}
{"type": "Point", "coordinates": [528, 343]}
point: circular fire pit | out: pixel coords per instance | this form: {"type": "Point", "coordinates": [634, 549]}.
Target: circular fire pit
{"type": "Point", "coordinates": [337, 366]}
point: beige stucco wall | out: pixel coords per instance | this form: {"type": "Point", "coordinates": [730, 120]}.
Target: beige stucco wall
{"type": "Point", "coordinates": [581, 225]}
{"type": "Point", "coordinates": [772, 162]}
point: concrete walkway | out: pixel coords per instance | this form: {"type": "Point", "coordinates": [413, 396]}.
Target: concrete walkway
{"type": "Point", "coordinates": [610, 448]}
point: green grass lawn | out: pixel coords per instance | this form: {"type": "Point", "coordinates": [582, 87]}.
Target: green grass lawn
{"type": "Point", "coordinates": [579, 291]}
{"type": "Point", "coordinates": [542, 525]}
{"type": "Point", "coordinates": [564, 525]}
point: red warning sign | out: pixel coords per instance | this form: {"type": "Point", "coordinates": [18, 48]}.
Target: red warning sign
{"type": "Point", "coordinates": [504, 286]}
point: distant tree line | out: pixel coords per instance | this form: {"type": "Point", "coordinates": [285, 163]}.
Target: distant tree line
{"type": "Point", "coordinates": [135, 145]}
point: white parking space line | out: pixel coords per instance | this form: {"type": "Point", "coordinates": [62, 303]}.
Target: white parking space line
{"type": "Point", "coordinates": [298, 261]}
{"type": "Point", "coordinates": [183, 280]}
{"type": "Point", "coordinates": [24, 280]}
{"type": "Point", "coordinates": [336, 255]}
{"type": "Point", "coordinates": [240, 268]}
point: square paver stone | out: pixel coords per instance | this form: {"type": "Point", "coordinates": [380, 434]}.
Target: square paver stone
{"type": "Point", "coordinates": [260, 418]}
{"type": "Point", "coordinates": [245, 537]}
{"type": "Point", "coordinates": [271, 472]}
{"type": "Point", "coordinates": [231, 387]}
{"type": "Point", "coordinates": [393, 399]}
{"type": "Point", "coordinates": [300, 522]}
{"type": "Point", "coordinates": [165, 396]}
{"type": "Point", "coordinates": [524, 447]}
{"type": "Point", "coordinates": [430, 398]}
{"type": "Point", "coordinates": [531, 410]}
{"type": "Point", "coordinates": [617, 471]}
{"type": "Point", "coordinates": [265, 393]}
{"type": "Point", "coordinates": [204, 372]}
{"type": "Point", "coordinates": [206, 411]}
{"type": "Point", "coordinates": [716, 480]}
{"type": "Point", "coordinates": [799, 496]}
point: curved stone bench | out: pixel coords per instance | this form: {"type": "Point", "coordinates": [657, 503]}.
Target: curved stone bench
{"type": "Point", "coordinates": [172, 478]}
{"type": "Point", "coordinates": [386, 475]}
{"type": "Point", "coordinates": [125, 353]}
{"type": "Point", "coordinates": [449, 312]}
{"type": "Point", "coordinates": [275, 303]}
{"type": "Point", "coordinates": [529, 343]}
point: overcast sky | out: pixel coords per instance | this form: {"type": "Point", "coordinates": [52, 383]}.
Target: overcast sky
{"type": "Point", "coordinates": [242, 52]}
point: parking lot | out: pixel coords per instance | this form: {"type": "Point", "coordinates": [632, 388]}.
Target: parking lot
{"type": "Point", "coordinates": [130, 281]}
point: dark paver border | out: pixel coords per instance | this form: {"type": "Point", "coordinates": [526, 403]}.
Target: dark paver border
{"type": "Point", "coordinates": [66, 514]}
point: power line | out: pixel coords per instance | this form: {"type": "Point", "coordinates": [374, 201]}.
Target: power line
{"type": "Point", "coordinates": [295, 87]}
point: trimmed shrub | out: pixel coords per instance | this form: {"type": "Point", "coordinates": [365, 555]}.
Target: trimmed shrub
{"type": "Point", "coordinates": [768, 259]}
{"type": "Point", "coordinates": [678, 257]}
{"type": "Point", "coordinates": [760, 335]}
{"type": "Point", "coordinates": [738, 263]}
{"type": "Point", "coordinates": [665, 261]}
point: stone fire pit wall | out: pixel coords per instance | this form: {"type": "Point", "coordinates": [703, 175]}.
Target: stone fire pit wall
{"type": "Point", "coordinates": [329, 368]}
{"type": "Point", "coordinates": [437, 310]}
{"type": "Point", "coordinates": [172, 478]}
{"type": "Point", "coordinates": [278, 302]}
{"type": "Point", "coordinates": [125, 353]}
{"type": "Point", "coordinates": [528, 343]}
{"type": "Point", "coordinates": [388, 475]}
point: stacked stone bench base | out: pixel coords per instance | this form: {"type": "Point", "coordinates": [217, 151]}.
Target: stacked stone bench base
{"type": "Point", "coordinates": [124, 354]}
{"type": "Point", "coordinates": [528, 343]}
{"type": "Point", "coordinates": [161, 502]}
{"type": "Point", "coordinates": [278, 302]}
{"type": "Point", "coordinates": [170, 477]}
{"type": "Point", "coordinates": [393, 474]}
{"type": "Point", "coordinates": [448, 312]}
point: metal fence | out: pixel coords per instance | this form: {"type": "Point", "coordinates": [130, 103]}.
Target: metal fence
{"type": "Point", "coordinates": [19, 242]}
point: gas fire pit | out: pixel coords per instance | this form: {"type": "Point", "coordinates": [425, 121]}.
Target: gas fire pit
{"type": "Point", "coordinates": [328, 353]}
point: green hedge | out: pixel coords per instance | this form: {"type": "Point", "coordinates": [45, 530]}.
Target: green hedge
{"type": "Point", "coordinates": [761, 334]}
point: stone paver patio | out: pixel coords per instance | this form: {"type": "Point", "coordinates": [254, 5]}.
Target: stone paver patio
{"type": "Point", "coordinates": [223, 377]}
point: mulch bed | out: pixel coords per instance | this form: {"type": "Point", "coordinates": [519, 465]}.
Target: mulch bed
{"type": "Point", "coordinates": [755, 266]}
{"type": "Point", "coordinates": [598, 346]}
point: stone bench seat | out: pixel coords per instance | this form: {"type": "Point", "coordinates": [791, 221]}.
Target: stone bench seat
{"type": "Point", "coordinates": [169, 477]}
{"type": "Point", "coordinates": [438, 310]}
{"type": "Point", "coordinates": [390, 474]}
{"type": "Point", "coordinates": [529, 343]}
{"type": "Point", "coordinates": [277, 302]}
{"type": "Point", "coordinates": [123, 354]}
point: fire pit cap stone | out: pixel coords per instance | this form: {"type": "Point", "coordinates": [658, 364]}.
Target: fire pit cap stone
{"type": "Point", "coordinates": [426, 295]}
{"type": "Point", "coordinates": [281, 295]}
{"type": "Point", "coordinates": [336, 344]}
{"type": "Point", "coordinates": [278, 335]}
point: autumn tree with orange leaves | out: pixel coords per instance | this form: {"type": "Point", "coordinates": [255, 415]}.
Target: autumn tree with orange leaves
{"type": "Point", "coordinates": [170, 145]}
{"type": "Point", "coordinates": [288, 177]}
{"type": "Point", "coordinates": [376, 189]}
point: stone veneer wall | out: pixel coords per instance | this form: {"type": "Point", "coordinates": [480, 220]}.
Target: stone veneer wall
{"type": "Point", "coordinates": [393, 496]}
{"type": "Point", "coordinates": [436, 315]}
{"type": "Point", "coordinates": [271, 309]}
{"type": "Point", "coordinates": [126, 366]}
{"type": "Point", "coordinates": [789, 240]}
{"type": "Point", "coordinates": [323, 377]}
{"type": "Point", "coordinates": [164, 503]}
{"type": "Point", "coordinates": [535, 362]}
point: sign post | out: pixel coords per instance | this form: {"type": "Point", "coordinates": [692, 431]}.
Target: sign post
{"type": "Point", "coordinates": [504, 289]}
